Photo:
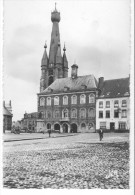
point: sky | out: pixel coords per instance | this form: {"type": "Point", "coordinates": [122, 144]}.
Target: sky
{"type": "Point", "coordinates": [96, 34]}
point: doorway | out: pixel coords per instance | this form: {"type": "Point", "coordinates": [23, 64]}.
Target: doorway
{"type": "Point", "coordinates": [57, 127]}
{"type": "Point", "coordinates": [65, 128]}
{"type": "Point", "coordinates": [73, 128]}
{"type": "Point", "coordinates": [112, 126]}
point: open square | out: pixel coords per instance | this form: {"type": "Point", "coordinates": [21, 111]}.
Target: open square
{"type": "Point", "coordinates": [67, 161]}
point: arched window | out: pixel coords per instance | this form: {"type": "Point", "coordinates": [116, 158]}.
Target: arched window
{"type": "Point", "coordinates": [48, 114]}
{"type": "Point", "coordinates": [42, 114]}
{"type": "Point", "coordinates": [56, 100]}
{"type": "Point", "coordinates": [74, 113]}
{"type": "Point", "coordinates": [65, 100]}
{"type": "Point", "coordinates": [83, 126]}
{"type": "Point", "coordinates": [42, 101]}
{"type": "Point", "coordinates": [56, 114]}
{"type": "Point", "coordinates": [74, 99]}
{"type": "Point", "coordinates": [82, 99]}
{"type": "Point", "coordinates": [91, 113]}
{"type": "Point", "coordinates": [65, 113]}
{"type": "Point", "coordinates": [82, 113]}
{"type": "Point", "coordinates": [91, 98]}
{"type": "Point", "coordinates": [48, 101]}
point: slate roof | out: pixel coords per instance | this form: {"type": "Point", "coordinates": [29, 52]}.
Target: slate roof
{"type": "Point", "coordinates": [6, 112]}
{"type": "Point", "coordinates": [73, 85]}
{"type": "Point", "coordinates": [115, 88]}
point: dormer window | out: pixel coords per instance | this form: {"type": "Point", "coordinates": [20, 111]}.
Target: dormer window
{"type": "Point", "coordinates": [66, 88]}
{"type": "Point", "coordinates": [127, 93]}
{"type": "Point", "coordinates": [50, 90]}
{"type": "Point", "coordinates": [84, 86]}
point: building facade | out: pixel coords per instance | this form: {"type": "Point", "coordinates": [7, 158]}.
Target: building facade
{"type": "Point", "coordinates": [78, 103]}
{"type": "Point", "coordinates": [7, 116]}
{"type": "Point", "coordinates": [30, 121]}
{"type": "Point", "coordinates": [69, 104]}
{"type": "Point", "coordinates": [113, 104]}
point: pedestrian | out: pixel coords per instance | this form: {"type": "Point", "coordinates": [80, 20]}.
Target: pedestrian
{"type": "Point", "coordinates": [49, 132]}
{"type": "Point", "coordinates": [100, 134]}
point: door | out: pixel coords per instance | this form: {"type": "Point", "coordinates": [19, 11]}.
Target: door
{"type": "Point", "coordinates": [112, 126]}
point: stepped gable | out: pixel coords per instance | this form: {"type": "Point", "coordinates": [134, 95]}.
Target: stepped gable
{"type": "Point", "coordinates": [73, 85]}
{"type": "Point", "coordinates": [115, 88]}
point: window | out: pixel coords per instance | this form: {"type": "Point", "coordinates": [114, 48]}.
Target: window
{"type": "Point", "coordinates": [56, 114]}
{"type": "Point", "coordinates": [82, 113]}
{"type": "Point", "coordinates": [116, 114]}
{"type": "Point", "coordinates": [103, 125]}
{"type": "Point", "coordinates": [116, 103]}
{"type": "Point", "coordinates": [65, 100]}
{"type": "Point", "coordinates": [124, 103]}
{"type": "Point", "coordinates": [107, 113]}
{"type": "Point", "coordinates": [91, 112]}
{"type": "Point", "coordinates": [83, 126]}
{"type": "Point", "coordinates": [82, 99]}
{"type": "Point", "coordinates": [74, 99]}
{"type": "Point", "coordinates": [42, 101]}
{"type": "Point", "coordinates": [107, 104]}
{"type": "Point", "coordinates": [48, 114]}
{"type": "Point", "coordinates": [74, 113]}
{"type": "Point", "coordinates": [101, 104]}
{"type": "Point", "coordinates": [122, 125]}
{"type": "Point", "coordinates": [124, 114]}
{"type": "Point", "coordinates": [56, 100]}
{"type": "Point", "coordinates": [48, 101]}
{"type": "Point", "coordinates": [50, 72]}
{"type": "Point", "coordinates": [65, 113]}
{"type": "Point", "coordinates": [92, 98]}
{"type": "Point", "coordinates": [42, 114]}
{"type": "Point", "coordinates": [100, 114]}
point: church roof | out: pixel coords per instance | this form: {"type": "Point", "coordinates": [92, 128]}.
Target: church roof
{"type": "Point", "coordinates": [73, 85]}
{"type": "Point", "coordinates": [6, 112]}
{"type": "Point", "coordinates": [115, 88]}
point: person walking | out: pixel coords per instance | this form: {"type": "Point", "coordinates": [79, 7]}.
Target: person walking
{"type": "Point", "coordinates": [100, 134]}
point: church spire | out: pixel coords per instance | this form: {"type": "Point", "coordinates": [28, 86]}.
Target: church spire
{"type": "Point", "coordinates": [44, 61]}
{"type": "Point", "coordinates": [65, 62]}
{"type": "Point", "coordinates": [55, 36]}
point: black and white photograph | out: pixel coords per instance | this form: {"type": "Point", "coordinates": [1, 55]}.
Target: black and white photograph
{"type": "Point", "coordinates": [67, 96]}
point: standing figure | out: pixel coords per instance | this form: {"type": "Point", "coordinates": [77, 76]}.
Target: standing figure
{"type": "Point", "coordinates": [49, 132]}
{"type": "Point", "coordinates": [100, 134]}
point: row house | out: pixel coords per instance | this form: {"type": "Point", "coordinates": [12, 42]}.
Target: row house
{"type": "Point", "coordinates": [113, 104]}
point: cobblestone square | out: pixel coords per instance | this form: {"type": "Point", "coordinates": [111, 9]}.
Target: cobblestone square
{"type": "Point", "coordinates": [80, 161]}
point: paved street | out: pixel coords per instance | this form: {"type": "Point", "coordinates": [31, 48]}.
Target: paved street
{"type": "Point", "coordinates": [73, 161]}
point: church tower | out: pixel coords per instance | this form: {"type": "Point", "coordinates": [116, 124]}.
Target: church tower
{"type": "Point", "coordinates": [55, 66]}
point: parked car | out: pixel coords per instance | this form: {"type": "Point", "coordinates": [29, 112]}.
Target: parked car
{"type": "Point", "coordinates": [16, 130]}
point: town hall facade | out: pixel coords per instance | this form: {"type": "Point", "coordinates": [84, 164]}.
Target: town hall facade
{"type": "Point", "coordinates": [68, 104]}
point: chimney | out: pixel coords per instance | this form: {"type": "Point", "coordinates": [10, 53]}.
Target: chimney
{"type": "Point", "coordinates": [74, 71]}
{"type": "Point", "coordinates": [100, 82]}
{"type": "Point", "coordinates": [10, 103]}
{"type": "Point", "coordinates": [3, 103]}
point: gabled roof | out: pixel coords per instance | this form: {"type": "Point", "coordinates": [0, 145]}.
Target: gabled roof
{"type": "Point", "coordinates": [115, 88]}
{"type": "Point", "coordinates": [6, 112]}
{"type": "Point", "coordinates": [73, 85]}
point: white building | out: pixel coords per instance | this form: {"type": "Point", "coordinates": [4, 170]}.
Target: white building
{"type": "Point", "coordinates": [113, 104]}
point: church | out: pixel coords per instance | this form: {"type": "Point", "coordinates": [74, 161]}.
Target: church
{"type": "Point", "coordinates": [65, 104]}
